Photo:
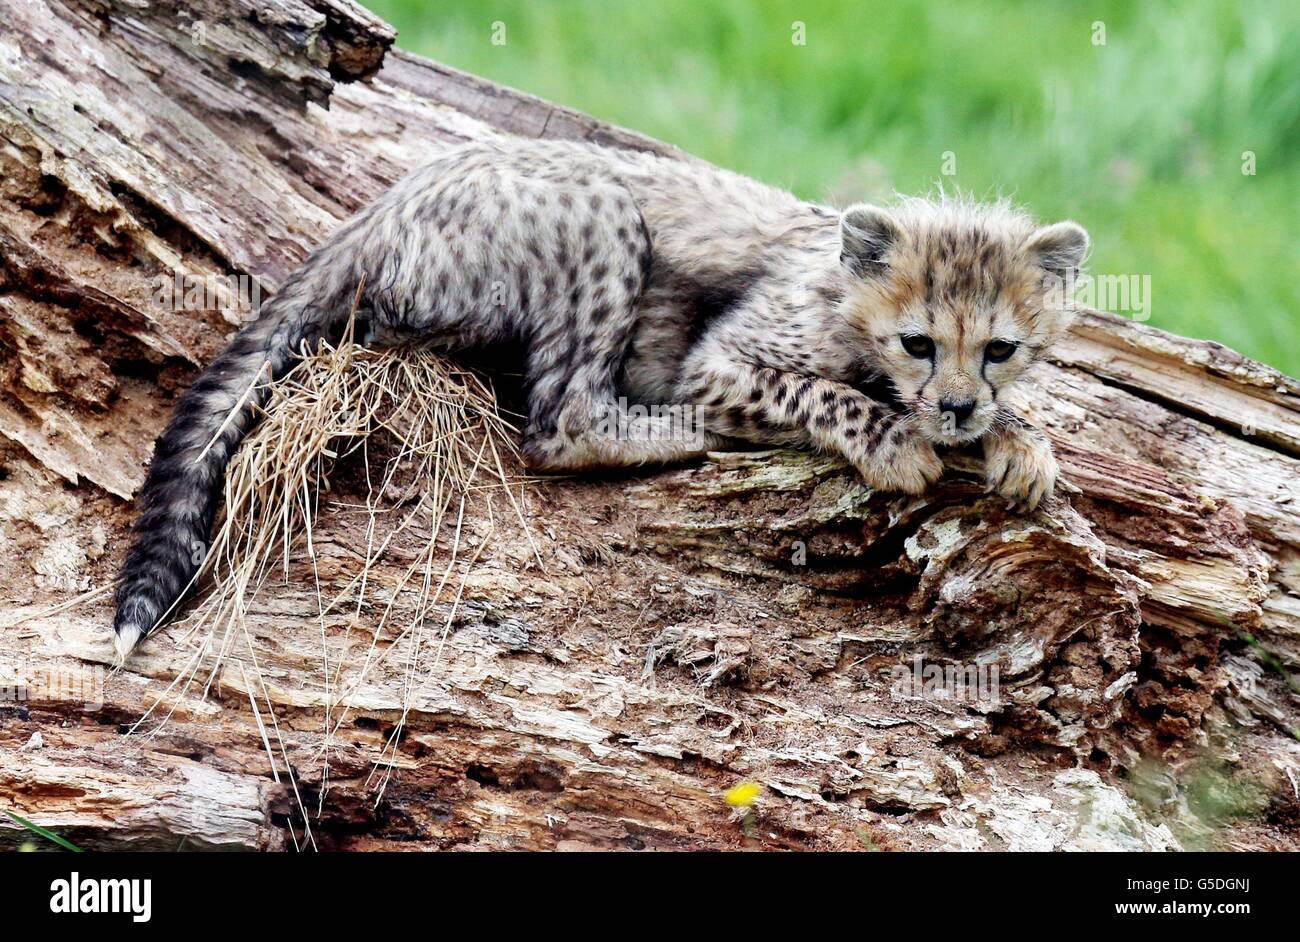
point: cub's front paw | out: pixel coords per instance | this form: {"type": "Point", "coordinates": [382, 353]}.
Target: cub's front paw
{"type": "Point", "coordinates": [1021, 468]}
{"type": "Point", "coordinates": [903, 461]}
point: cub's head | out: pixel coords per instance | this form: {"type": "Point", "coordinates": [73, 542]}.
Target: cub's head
{"type": "Point", "coordinates": [952, 300]}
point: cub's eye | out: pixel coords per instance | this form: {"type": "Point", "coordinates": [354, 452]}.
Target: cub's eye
{"type": "Point", "coordinates": [999, 350]}
{"type": "Point", "coordinates": [918, 345]}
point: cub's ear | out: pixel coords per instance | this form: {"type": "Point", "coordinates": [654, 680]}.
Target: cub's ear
{"type": "Point", "coordinates": [1059, 248]}
{"type": "Point", "coordinates": [866, 235]}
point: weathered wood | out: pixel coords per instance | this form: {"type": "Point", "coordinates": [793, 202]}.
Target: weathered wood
{"type": "Point", "coordinates": [743, 619]}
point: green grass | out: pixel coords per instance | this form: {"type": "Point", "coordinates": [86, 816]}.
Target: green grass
{"type": "Point", "coordinates": [1139, 139]}
{"type": "Point", "coordinates": [42, 832]}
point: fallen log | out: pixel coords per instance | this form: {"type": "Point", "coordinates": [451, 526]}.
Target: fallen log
{"type": "Point", "coordinates": [1112, 671]}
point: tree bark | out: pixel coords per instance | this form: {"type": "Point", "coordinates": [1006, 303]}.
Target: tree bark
{"type": "Point", "coordinates": [757, 617]}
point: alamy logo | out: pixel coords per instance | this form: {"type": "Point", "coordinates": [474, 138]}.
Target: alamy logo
{"type": "Point", "coordinates": [652, 423]}
{"type": "Point", "coordinates": [22, 682]}
{"type": "Point", "coordinates": [957, 683]}
{"type": "Point", "coordinates": [1126, 295]}
{"type": "Point", "coordinates": [211, 292]}
{"type": "Point", "coordinates": [76, 895]}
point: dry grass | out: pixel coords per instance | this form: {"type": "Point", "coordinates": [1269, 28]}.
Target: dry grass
{"type": "Point", "coordinates": [434, 452]}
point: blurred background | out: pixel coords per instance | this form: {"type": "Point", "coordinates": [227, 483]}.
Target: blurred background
{"type": "Point", "coordinates": [1171, 131]}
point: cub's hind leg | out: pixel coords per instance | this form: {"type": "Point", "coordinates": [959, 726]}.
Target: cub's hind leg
{"type": "Point", "coordinates": [578, 341]}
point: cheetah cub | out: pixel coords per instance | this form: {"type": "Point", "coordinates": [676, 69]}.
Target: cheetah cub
{"type": "Point", "coordinates": [629, 277]}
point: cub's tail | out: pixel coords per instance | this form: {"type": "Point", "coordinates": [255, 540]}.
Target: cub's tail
{"type": "Point", "coordinates": [185, 480]}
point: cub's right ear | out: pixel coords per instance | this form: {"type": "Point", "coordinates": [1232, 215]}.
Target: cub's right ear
{"type": "Point", "coordinates": [1059, 248]}
{"type": "Point", "coordinates": [867, 233]}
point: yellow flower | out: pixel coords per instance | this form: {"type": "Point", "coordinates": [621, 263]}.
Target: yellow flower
{"type": "Point", "coordinates": [742, 795]}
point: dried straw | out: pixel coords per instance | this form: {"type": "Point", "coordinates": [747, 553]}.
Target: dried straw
{"type": "Point", "coordinates": [452, 455]}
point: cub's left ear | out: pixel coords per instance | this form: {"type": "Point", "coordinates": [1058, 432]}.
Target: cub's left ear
{"type": "Point", "coordinates": [867, 233]}
{"type": "Point", "coordinates": [1060, 247]}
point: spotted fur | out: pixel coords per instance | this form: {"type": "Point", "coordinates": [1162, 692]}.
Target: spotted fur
{"type": "Point", "coordinates": [629, 275]}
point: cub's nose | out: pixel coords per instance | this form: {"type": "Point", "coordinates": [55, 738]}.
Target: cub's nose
{"type": "Point", "coordinates": [960, 410]}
